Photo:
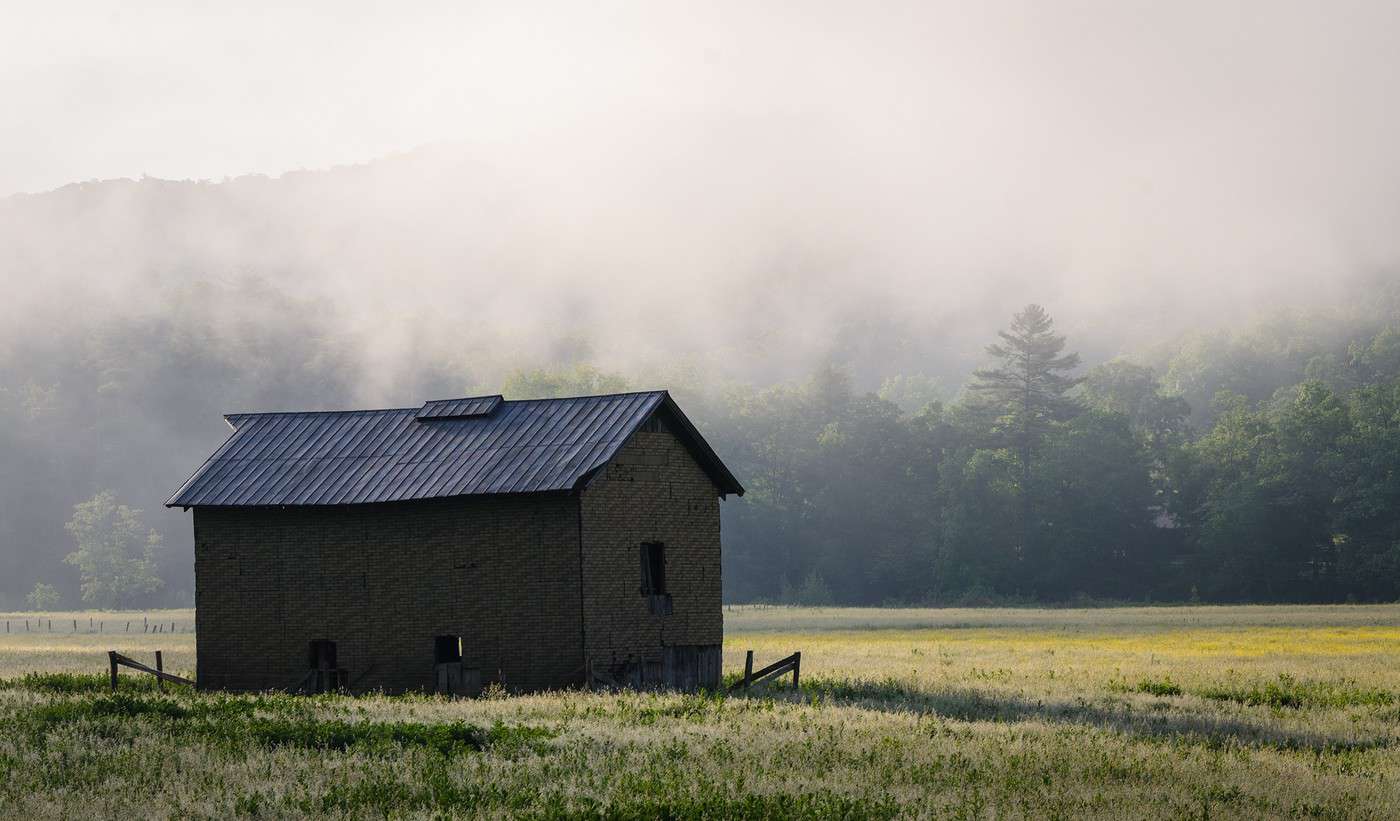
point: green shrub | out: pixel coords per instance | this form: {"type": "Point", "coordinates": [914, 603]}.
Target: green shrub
{"type": "Point", "coordinates": [1158, 687]}
{"type": "Point", "coordinates": [1290, 693]}
{"type": "Point", "coordinates": [74, 683]}
{"type": "Point", "coordinates": [233, 721]}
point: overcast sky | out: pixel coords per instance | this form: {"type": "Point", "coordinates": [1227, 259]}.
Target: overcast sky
{"type": "Point", "coordinates": [1144, 164]}
{"type": "Point", "coordinates": [188, 89]}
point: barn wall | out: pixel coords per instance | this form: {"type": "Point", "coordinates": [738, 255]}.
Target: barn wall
{"type": "Point", "coordinates": [653, 491]}
{"type": "Point", "coordinates": [382, 581]}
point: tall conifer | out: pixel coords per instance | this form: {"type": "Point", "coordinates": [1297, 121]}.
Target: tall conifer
{"type": "Point", "coordinates": [1026, 390]}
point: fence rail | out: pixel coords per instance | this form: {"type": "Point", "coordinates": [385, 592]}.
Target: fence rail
{"type": "Point", "coordinates": [118, 660]}
{"type": "Point", "coordinates": [753, 677]}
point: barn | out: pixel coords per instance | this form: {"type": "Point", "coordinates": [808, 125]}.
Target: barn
{"type": "Point", "coordinates": [533, 544]}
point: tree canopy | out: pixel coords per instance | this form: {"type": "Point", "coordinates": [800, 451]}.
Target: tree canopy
{"type": "Point", "coordinates": [1254, 464]}
{"type": "Point", "coordinates": [115, 554]}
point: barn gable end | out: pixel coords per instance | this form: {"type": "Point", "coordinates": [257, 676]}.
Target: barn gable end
{"type": "Point", "coordinates": [653, 497]}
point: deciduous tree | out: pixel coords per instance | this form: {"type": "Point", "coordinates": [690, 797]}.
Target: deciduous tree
{"type": "Point", "coordinates": [43, 597]}
{"type": "Point", "coordinates": [115, 552]}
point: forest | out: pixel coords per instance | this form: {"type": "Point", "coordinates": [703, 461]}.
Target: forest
{"type": "Point", "coordinates": [1247, 464]}
{"type": "Point", "coordinates": [1262, 466]}
{"type": "Point", "coordinates": [907, 434]}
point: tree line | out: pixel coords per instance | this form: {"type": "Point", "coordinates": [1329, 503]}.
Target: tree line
{"type": "Point", "coordinates": [1040, 485]}
{"type": "Point", "coordinates": [1260, 464]}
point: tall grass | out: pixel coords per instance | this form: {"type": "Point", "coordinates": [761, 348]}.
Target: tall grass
{"type": "Point", "coordinates": [1187, 712]}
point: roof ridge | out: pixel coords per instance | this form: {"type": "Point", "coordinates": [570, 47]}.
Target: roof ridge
{"type": "Point", "coordinates": [583, 396]}
{"type": "Point", "coordinates": [417, 408]}
{"type": "Point", "coordinates": [463, 398]}
{"type": "Point", "coordinates": [322, 412]}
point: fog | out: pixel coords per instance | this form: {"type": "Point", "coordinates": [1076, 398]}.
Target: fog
{"type": "Point", "coordinates": [728, 182]}
{"type": "Point", "coordinates": [419, 200]}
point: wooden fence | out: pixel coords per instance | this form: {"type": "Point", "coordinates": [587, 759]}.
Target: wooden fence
{"type": "Point", "coordinates": [96, 626]}
{"type": "Point", "coordinates": [118, 660]}
{"type": "Point", "coordinates": [755, 677]}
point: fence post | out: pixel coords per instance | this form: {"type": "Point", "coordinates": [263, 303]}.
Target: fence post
{"type": "Point", "coordinates": [748, 668]}
{"type": "Point", "coordinates": [160, 668]}
{"type": "Point", "coordinates": [112, 657]}
{"type": "Point", "coordinates": [796, 667]}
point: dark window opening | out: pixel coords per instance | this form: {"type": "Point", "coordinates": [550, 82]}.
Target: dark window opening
{"type": "Point", "coordinates": [447, 649]}
{"type": "Point", "coordinates": [653, 568]}
{"type": "Point", "coordinates": [322, 655]}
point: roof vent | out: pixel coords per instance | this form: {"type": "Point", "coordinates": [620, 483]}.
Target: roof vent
{"type": "Point", "coordinates": [467, 408]}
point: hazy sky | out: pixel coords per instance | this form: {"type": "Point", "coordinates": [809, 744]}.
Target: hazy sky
{"type": "Point", "coordinates": [1128, 163]}
{"type": "Point", "coordinates": [1237, 92]}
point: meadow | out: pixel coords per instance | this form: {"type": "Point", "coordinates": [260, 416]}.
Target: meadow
{"type": "Point", "coordinates": [1163, 712]}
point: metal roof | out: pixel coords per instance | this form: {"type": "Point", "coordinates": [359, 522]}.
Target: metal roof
{"type": "Point", "coordinates": [459, 408]}
{"type": "Point", "coordinates": [446, 448]}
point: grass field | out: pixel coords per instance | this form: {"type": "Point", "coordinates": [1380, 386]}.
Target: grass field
{"type": "Point", "coordinates": [1122, 713]}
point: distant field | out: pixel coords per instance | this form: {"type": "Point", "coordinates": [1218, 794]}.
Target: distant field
{"type": "Point", "coordinates": [1115, 713]}
{"type": "Point", "coordinates": [48, 643]}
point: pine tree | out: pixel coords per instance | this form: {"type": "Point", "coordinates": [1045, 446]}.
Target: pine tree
{"type": "Point", "coordinates": [1027, 391]}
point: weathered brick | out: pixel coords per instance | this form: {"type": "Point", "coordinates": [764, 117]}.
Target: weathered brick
{"type": "Point", "coordinates": [536, 585]}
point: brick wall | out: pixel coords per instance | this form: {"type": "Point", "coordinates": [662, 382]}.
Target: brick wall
{"type": "Point", "coordinates": [382, 581]}
{"type": "Point", "coordinates": [653, 491]}
{"type": "Point", "coordinates": [501, 572]}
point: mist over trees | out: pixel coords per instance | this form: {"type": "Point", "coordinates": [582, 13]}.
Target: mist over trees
{"type": "Point", "coordinates": [1295, 498]}
{"type": "Point", "coordinates": [888, 454]}
{"type": "Point", "coordinates": [1031, 485]}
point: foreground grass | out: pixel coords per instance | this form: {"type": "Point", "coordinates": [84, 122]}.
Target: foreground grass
{"type": "Point", "coordinates": [1190, 712]}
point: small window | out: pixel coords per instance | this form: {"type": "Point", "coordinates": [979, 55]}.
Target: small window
{"type": "Point", "coordinates": [322, 655]}
{"type": "Point", "coordinates": [447, 649]}
{"type": "Point", "coordinates": [653, 568]}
